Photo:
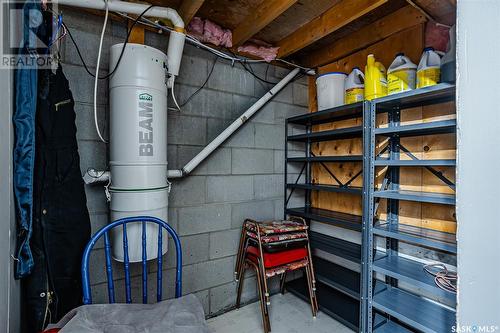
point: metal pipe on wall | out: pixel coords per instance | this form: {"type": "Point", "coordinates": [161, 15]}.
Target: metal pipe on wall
{"type": "Point", "coordinates": [191, 165]}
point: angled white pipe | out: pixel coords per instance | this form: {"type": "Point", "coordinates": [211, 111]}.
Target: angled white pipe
{"type": "Point", "coordinates": [129, 8]}
{"type": "Point", "coordinates": [177, 37]}
{"type": "Point", "coordinates": [232, 128]}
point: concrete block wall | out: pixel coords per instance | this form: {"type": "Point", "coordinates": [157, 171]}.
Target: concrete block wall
{"type": "Point", "coordinates": [242, 179]}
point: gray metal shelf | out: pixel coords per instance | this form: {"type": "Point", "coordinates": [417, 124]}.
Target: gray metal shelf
{"type": "Point", "coordinates": [391, 327]}
{"type": "Point", "coordinates": [343, 220]}
{"type": "Point", "coordinates": [335, 134]}
{"type": "Point", "coordinates": [327, 159]}
{"type": "Point", "coordinates": [440, 93]}
{"type": "Point", "coordinates": [414, 163]}
{"type": "Point", "coordinates": [421, 236]}
{"type": "Point", "coordinates": [418, 312]}
{"type": "Point", "coordinates": [430, 128]}
{"type": "Point", "coordinates": [395, 266]}
{"type": "Point", "coordinates": [407, 311]}
{"type": "Point", "coordinates": [335, 276]}
{"type": "Point", "coordinates": [336, 246]}
{"type": "Point", "coordinates": [429, 197]}
{"type": "Point", "coordinates": [327, 188]}
{"type": "Point", "coordinates": [334, 114]}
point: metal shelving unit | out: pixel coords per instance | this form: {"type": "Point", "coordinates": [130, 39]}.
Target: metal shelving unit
{"type": "Point", "coordinates": [407, 311]}
{"type": "Point", "coordinates": [338, 288]}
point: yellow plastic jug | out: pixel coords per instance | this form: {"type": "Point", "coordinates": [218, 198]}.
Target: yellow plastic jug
{"type": "Point", "coordinates": [401, 75]}
{"type": "Point", "coordinates": [429, 68]}
{"type": "Point", "coordinates": [375, 79]}
{"type": "Point", "coordinates": [355, 86]}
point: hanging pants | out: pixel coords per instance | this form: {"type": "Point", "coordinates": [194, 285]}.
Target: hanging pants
{"type": "Point", "coordinates": [61, 224]}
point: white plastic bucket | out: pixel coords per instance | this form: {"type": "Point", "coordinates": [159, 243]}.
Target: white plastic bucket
{"type": "Point", "coordinates": [330, 89]}
{"type": "Point", "coordinates": [144, 203]}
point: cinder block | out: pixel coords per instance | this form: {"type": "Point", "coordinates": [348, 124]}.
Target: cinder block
{"type": "Point", "coordinates": [186, 130]}
{"type": "Point", "coordinates": [77, 19]}
{"type": "Point", "coordinates": [193, 71]}
{"type": "Point", "coordinates": [85, 121]}
{"type": "Point", "coordinates": [97, 222]}
{"type": "Point", "coordinates": [252, 161]}
{"type": "Point", "coordinates": [172, 218]}
{"type": "Point", "coordinates": [257, 210]}
{"type": "Point", "coordinates": [93, 154]}
{"type": "Point", "coordinates": [231, 79]}
{"type": "Point", "coordinates": [285, 95]}
{"type": "Point", "coordinates": [300, 94]}
{"type": "Point", "coordinates": [279, 208]}
{"type": "Point", "coordinates": [96, 199]}
{"type": "Point", "coordinates": [244, 137]}
{"type": "Point", "coordinates": [224, 297]}
{"type": "Point", "coordinates": [194, 248]}
{"type": "Point", "coordinates": [219, 163]}
{"type": "Point", "coordinates": [97, 262]}
{"type": "Point", "coordinates": [193, 51]}
{"type": "Point", "coordinates": [207, 274]}
{"type": "Point", "coordinates": [240, 104]}
{"type": "Point", "coordinates": [287, 112]}
{"type": "Point", "coordinates": [215, 126]}
{"type": "Point", "coordinates": [270, 136]}
{"type": "Point", "coordinates": [268, 186]}
{"type": "Point", "coordinates": [172, 157]}
{"type": "Point", "coordinates": [188, 191]}
{"type": "Point", "coordinates": [279, 161]}
{"type": "Point", "coordinates": [156, 40]}
{"type": "Point", "coordinates": [82, 85]}
{"type": "Point", "coordinates": [224, 243]}
{"type": "Point", "coordinates": [205, 218]}
{"type": "Point", "coordinates": [229, 188]}
{"type": "Point", "coordinates": [204, 298]}
{"type": "Point", "coordinates": [207, 102]}
{"type": "Point", "coordinates": [88, 42]}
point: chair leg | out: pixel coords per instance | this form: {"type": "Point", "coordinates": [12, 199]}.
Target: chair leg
{"type": "Point", "coordinates": [282, 283]}
{"type": "Point", "coordinates": [265, 317]}
{"type": "Point", "coordinates": [241, 274]}
{"type": "Point", "coordinates": [240, 258]}
{"type": "Point", "coordinates": [312, 296]}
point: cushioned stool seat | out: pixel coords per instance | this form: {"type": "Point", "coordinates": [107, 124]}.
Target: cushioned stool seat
{"type": "Point", "coordinates": [279, 258]}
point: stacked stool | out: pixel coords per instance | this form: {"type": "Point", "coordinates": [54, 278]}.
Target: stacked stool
{"type": "Point", "coordinates": [274, 248]}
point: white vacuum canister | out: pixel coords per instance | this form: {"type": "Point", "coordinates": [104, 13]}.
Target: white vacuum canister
{"type": "Point", "coordinates": [138, 145]}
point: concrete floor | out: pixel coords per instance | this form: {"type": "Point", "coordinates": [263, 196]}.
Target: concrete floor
{"type": "Point", "coordinates": [289, 314]}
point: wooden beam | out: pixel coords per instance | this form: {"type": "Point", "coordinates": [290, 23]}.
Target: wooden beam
{"type": "Point", "coordinates": [391, 24]}
{"type": "Point", "coordinates": [189, 8]}
{"type": "Point", "coordinates": [409, 41]}
{"type": "Point", "coordinates": [333, 19]}
{"type": "Point", "coordinates": [137, 35]}
{"type": "Point", "coordinates": [260, 17]}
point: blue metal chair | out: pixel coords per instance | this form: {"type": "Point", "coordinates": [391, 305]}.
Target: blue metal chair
{"type": "Point", "coordinates": [87, 293]}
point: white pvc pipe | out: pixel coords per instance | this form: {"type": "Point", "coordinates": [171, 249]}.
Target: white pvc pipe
{"type": "Point", "coordinates": [232, 128]}
{"type": "Point", "coordinates": [128, 7]}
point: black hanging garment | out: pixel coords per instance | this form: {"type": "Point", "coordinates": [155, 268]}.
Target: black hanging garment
{"type": "Point", "coordinates": [61, 223]}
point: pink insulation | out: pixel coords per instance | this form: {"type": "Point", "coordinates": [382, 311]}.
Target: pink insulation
{"type": "Point", "coordinates": [208, 32]}
{"type": "Point", "coordinates": [259, 49]}
{"type": "Point", "coordinates": [436, 36]}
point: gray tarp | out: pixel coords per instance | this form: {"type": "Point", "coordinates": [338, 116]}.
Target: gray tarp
{"type": "Point", "coordinates": [182, 315]}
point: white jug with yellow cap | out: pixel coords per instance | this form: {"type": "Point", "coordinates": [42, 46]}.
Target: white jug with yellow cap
{"type": "Point", "coordinates": [401, 75]}
{"type": "Point", "coordinates": [355, 86]}
{"type": "Point", "coordinates": [429, 68]}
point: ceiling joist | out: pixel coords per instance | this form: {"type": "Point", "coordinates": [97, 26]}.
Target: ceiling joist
{"type": "Point", "coordinates": [391, 24]}
{"type": "Point", "coordinates": [333, 19]}
{"type": "Point", "coordinates": [189, 8]}
{"type": "Point", "coordinates": [259, 18]}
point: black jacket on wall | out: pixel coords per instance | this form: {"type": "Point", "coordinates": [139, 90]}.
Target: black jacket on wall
{"type": "Point", "coordinates": [61, 223]}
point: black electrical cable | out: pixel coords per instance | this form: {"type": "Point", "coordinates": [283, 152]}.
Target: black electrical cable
{"type": "Point", "coordinates": [202, 86]}
{"type": "Point", "coordinates": [121, 54]}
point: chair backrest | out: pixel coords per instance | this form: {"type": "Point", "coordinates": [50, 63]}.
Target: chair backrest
{"type": "Point", "coordinates": [87, 293]}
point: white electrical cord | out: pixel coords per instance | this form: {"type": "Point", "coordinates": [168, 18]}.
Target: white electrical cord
{"type": "Point", "coordinates": [97, 72]}
{"type": "Point", "coordinates": [173, 94]}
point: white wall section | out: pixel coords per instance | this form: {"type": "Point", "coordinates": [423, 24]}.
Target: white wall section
{"type": "Point", "coordinates": [478, 181]}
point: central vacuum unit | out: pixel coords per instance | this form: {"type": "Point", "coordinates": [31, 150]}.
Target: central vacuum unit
{"type": "Point", "coordinates": [138, 146]}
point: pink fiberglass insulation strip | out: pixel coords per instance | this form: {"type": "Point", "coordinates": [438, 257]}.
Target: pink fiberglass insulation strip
{"type": "Point", "coordinates": [208, 32]}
